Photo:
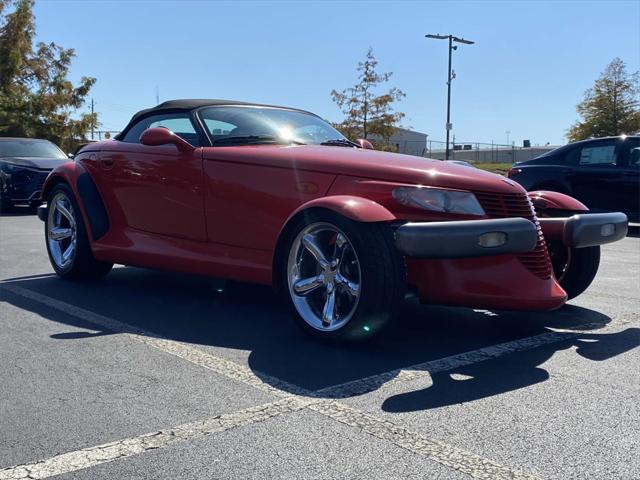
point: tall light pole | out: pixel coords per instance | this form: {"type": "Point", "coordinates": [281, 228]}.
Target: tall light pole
{"type": "Point", "coordinates": [450, 77]}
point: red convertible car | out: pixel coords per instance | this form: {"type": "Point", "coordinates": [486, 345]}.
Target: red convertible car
{"type": "Point", "coordinates": [275, 195]}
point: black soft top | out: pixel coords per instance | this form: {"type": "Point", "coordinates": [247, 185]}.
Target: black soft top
{"type": "Point", "coordinates": [188, 104]}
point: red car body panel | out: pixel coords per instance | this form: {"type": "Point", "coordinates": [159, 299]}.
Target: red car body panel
{"type": "Point", "coordinates": [219, 211]}
{"type": "Point", "coordinates": [246, 205]}
{"type": "Point", "coordinates": [500, 282]}
{"type": "Point", "coordinates": [356, 208]}
{"type": "Point", "coordinates": [545, 200]}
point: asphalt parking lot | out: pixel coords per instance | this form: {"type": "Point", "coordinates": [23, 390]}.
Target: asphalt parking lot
{"type": "Point", "coordinates": [149, 374]}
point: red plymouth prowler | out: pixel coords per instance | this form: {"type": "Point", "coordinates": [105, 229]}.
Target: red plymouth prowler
{"type": "Point", "coordinates": [277, 196]}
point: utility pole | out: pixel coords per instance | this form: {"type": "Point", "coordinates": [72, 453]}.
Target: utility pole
{"type": "Point", "coordinates": [450, 77]}
{"type": "Point", "coordinates": [157, 95]}
{"type": "Point", "coordinates": [508, 132]}
{"type": "Point", "coordinates": [93, 122]}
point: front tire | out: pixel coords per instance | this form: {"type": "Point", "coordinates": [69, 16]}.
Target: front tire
{"type": "Point", "coordinates": [344, 280]}
{"type": "Point", "coordinates": [574, 268]}
{"type": "Point", "coordinates": [67, 240]}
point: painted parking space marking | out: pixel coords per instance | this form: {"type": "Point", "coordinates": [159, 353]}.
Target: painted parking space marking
{"type": "Point", "coordinates": [407, 374]}
{"type": "Point", "coordinates": [279, 387]}
{"type": "Point", "coordinates": [434, 450]}
{"type": "Point", "coordinates": [293, 398]}
{"type": "Point", "coordinates": [437, 451]}
{"type": "Point", "coordinates": [108, 452]}
{"type": "Point", "coordinates": [184, 351]}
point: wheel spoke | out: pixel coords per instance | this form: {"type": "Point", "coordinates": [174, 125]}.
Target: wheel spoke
{"type": "Point", "coordinates": [340, 248]}
{"type": "Point", "coordinates": [68, 252]}
{"type": "Point", "coordinates": [310, 243]}
{"type": "Point", "coordinates": [308, 285]}
{"type": "Point", "coordinates": [350, 287]}
{"type": "Point", "coordinates": [328, 312]}
{"type": "Point", "coordinates": [58, 233]}
{"type": "Point", "coordinates": [65, 212]}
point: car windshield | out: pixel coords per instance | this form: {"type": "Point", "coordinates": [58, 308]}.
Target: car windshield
{"type": "Point", "coordinates": [30, 148]}
{"type": "Point", "coordinates": [240, 125]}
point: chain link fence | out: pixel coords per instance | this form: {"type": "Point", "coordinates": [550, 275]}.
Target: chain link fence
{"type": "Point", "coordinates": [474, 152]}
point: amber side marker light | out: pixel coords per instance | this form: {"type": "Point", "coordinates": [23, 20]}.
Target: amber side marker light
{"type": "Point", "coordinates": [513, 171]}
{"type": "Point", "coordinates": [492, 239]}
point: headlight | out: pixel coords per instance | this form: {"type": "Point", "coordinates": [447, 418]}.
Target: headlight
{"type": "Point", "coordinates": [437, 200]}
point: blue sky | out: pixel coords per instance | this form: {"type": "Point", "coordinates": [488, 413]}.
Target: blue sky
{"type": "Point", "coordinates": [530, 65]}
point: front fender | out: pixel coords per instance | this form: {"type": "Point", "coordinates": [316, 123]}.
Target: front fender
{"type": "Point", "coordinates": [350, 206]}
{"type": "Point", "coordinates": [89, 200]}
{"type": "Point", "coordinates": [554, 204]}
{"type": "Point", "coordinates": [67, 172]}
{"type": "Point", "coordinates": [545, 202]}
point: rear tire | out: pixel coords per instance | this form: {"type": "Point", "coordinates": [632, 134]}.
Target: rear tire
{"type": "Point", "coordinates": [363, 275]}
{"type": "Point", "coordinates": [67, 240]}
{"type": "Point", "coordinates": [574, 268]}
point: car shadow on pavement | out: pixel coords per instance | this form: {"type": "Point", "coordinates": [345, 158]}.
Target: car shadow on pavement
{"type": "Point", "coordinates": [246, 323]}
{"type": "Point", "coordinates": [516, 371]}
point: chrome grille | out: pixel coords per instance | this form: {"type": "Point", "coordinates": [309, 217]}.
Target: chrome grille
{"type": "Point", "coordinates": [506, 205]}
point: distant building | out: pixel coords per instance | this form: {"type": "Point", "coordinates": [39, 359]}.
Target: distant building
{"type": "Point", "coordinates": [406, 141]}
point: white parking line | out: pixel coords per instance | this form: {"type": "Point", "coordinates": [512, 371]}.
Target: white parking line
{"type": "Point", "coordinates": [447, 455]}
{"type": "Point", "coordinates": [293, 397]}
{"type": "Point", "coordinates": [185, 351]}
{"type": "Point", "coordinates": [369, 384]}
{"type": "Point", "coordinates": [90, 457]}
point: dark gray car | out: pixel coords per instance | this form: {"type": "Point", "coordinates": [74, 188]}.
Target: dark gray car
{"type": "Point", "coordinates": [24, 165]}
{"type": "Point", "coordinates": [603, 173]}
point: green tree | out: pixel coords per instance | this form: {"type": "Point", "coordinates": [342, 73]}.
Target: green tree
{"type": "Point", "coordinates": [36, 98]}
{"type": "Point", "coordinates": [611, 106]}
{"type": "Point", "coordinates": [367, 114]}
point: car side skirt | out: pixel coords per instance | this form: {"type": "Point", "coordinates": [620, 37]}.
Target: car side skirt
{"type": "Point", "coordinates": [132, 247]}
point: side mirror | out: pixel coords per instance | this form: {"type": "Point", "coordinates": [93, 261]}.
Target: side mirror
{"type": "Point", "coordinates": [70, 155]}
{"type": "Point", "coordinates": [154, 137]}
{"type": "Point", "coordinates": [366, 144]}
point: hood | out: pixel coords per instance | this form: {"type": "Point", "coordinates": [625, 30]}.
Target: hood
{"type": "Point", "coordinates": [41, 163]}
{"type": "Point", "coordinates": [363, 163]}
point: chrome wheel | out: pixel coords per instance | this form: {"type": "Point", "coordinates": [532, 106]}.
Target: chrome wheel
{"type": "Point", "coordinates": [324, 277]}
{"type": "Point", "coordinates": [61, 231]}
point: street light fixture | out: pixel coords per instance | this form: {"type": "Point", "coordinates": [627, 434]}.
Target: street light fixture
{"type": "Point", "coordinates": [450, 77]}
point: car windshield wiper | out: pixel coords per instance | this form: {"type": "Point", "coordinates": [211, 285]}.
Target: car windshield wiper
{"type": "Point", "coordinates": [340, 142]}
{"type": "Point", "coordinates": [249, 139]}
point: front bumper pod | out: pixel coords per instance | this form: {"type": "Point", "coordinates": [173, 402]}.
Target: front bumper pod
{"type": "Point", "coordinates": [586, 230]}
{"type": "Point", "coordinates": [468, 238]}
{"type": "Point", "coordinates": [43, 211]}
